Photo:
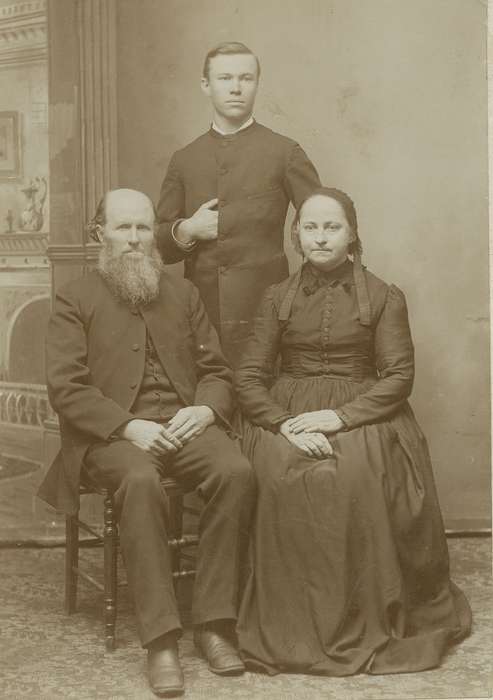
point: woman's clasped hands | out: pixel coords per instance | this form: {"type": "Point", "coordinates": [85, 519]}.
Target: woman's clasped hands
{"type": "Point", "coordinates": [307, 431]}
{"type": "Point", "coordinates": [325, 421]}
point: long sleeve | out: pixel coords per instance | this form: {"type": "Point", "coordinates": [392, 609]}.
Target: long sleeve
{"type": "Point", "coordinates": [301, 177]}
{"type": "Point", "coordinates": [255, 373]}
{"type": "Point", "coordinates": [215, 378]}
{"type": "Point", "coordinates": [170, 208]}
{"type": "Point", "coordinates": [394, 359]}
{"type": "Point", "coordinates": [72, 396]}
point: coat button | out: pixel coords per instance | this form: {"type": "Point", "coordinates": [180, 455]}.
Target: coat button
{"type": "Point", "coordinates": [202, 347]}
{"type": "Point", "coordinates": [223, 171]}
{"type": "Point", "coordinates": [135, 347]}
{"type": "Point", "coordinates": [223, 269]}
{"type": "Point", "coordinates": [135, 312]}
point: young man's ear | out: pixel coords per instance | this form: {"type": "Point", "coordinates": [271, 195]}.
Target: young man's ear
{"type": "Point", "coordinates": [204, 84]}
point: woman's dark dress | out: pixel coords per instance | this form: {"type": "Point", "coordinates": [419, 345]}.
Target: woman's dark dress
{"type": "Point", "coordinates": [350, 563]}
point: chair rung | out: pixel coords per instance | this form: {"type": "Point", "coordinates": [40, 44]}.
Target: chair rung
{"type": "Point", "coordinates": [88, 578]}
{"type": "Point", "coordinates": [185, 541]}
{"type": "Point", "coordinates": [89, 529]}
{"type": "Point", "coordinates": [184, 574]}
{"type": "Point", "coordinates": [86, 490]}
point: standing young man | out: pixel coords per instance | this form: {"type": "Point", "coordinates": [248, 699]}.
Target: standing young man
{"type": "Point", "coordinates": [225, 196]}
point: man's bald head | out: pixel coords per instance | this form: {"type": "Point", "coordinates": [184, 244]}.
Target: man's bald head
{"type": "Point", "coordinates": [118, 201]}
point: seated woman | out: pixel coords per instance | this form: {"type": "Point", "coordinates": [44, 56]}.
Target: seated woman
{"type": "Point", "coordinates": [350, 563]}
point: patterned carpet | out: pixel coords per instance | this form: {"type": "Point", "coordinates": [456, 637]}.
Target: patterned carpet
{"type": "Point", "coordinates": [46, 655]}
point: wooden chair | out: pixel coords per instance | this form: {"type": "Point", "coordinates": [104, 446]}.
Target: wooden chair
{"type": "Point", "coordinates": [109, 541]}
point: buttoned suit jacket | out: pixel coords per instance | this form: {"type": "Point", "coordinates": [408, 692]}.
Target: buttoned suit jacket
{"type": "Point", "coordinates": [255, 174]}
{"type": "Point", "coordinates": [95, 354]}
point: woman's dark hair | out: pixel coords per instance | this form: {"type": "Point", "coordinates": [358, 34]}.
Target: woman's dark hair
{"type": "Point", "coordinates": [348, 207]}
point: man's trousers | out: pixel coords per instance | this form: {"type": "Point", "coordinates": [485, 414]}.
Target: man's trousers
{"type": "Point", "coordinates": [213, 465]}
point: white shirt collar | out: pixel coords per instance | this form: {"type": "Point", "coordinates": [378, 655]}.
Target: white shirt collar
{"type": "Point", "coordinates": [248, 123]}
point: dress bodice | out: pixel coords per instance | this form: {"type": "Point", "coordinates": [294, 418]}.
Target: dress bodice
{"type": "Point", "coordinates": [323, 335]}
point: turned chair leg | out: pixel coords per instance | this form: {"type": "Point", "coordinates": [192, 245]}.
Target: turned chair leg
{"type": "Point", "coordinates": [110, 572]}
{"type": "Point", "coordinates": [176, 528]}
{"type": "Point", "coordinates": [71, 562]}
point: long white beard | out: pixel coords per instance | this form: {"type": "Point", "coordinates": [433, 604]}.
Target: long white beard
{"type": "Point", "coordinates": [133, 280]}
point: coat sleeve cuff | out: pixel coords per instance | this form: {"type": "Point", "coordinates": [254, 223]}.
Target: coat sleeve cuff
{"type": "Point", "coordinates": [111, 427]}
{"type": "Point", "coordinates": [344, 417]}
{"type": "Point", "coordinates": [220, 417]}
{"type": "Point", "coordinates": [183, 246]}
{"type": "Point", "coordinates": [273, 424]}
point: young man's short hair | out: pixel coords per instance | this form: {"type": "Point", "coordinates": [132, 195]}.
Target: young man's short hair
{"type": "Point", "coordinates": [228, 48]}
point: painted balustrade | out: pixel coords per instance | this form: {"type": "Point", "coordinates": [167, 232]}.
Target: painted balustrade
{"type": "Point", "coordinates": [24, 404]}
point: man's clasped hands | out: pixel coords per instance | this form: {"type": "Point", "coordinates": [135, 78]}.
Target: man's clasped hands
{"type": "Point", "coordinates": [308, 431]}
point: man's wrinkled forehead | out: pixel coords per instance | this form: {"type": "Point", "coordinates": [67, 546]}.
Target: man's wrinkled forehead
{"type": "Point", "coordinates": [129, 205]}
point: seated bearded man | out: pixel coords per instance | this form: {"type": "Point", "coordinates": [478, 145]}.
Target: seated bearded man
{"type": "Point", "coordinates": [137, 377]}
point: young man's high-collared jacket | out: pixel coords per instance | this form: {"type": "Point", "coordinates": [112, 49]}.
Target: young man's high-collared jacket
{"type": "Point", "coordinates": [95, 353]}
{"type": "Point", "coordinates": [255, 174]}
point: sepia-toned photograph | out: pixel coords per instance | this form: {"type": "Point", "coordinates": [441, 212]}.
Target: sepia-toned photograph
{"type": "Point", "coordinates": [245, 424]}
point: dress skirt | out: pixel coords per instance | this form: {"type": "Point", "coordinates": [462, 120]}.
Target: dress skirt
{"type": "Point", "coordinates": [350, 569]}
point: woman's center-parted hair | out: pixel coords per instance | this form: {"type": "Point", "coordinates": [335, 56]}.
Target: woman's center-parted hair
{"type": "Point", "coordinates": [348, 207]}
{"type": "Point", "coordinates": [228, 48]}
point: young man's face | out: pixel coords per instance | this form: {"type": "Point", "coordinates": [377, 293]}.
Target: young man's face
{"type": "Point", "coordinates": [232, 86]}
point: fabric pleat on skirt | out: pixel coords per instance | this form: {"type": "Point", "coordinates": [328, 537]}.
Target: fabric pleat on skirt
{"type": "Point", "coordinates": [350, 568]}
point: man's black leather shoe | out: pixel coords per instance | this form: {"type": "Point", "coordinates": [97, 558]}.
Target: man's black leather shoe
{"type": "Point", "coordinates": [219, 652]}
{"type": "Point", "coordinates": [164, 670]}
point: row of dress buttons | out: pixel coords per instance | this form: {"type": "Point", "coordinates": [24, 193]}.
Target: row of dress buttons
{"type": "Point", "coordinates": [327, 313]}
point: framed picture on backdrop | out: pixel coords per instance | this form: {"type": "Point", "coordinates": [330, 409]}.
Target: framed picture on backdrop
{"type": "Point", "coordinates": [10, 146]}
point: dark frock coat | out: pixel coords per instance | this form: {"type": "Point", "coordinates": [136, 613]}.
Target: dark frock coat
{"type": "Point", "coordinates": [95, 353]}
{"type": "Point", "coordinates": [255, 174]}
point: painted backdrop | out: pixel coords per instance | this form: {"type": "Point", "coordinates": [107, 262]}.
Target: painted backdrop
{"type": "Point", "coordinates": [388, 97]}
